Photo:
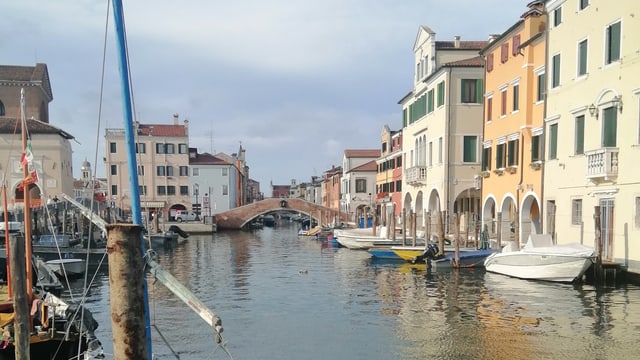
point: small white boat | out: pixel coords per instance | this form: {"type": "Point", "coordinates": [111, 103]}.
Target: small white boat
{"type": "Point", "coordinates": [540, 259]}
{"type": "Point", "coordinates": [71, 268]}
{"type": "Point", "coordinates": [361, 239]}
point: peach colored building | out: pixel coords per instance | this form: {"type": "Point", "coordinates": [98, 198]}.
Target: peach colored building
{"type": "Point", "coordinates": [389, 175]}
{"type": "Point", "coordinates": [513, 128]}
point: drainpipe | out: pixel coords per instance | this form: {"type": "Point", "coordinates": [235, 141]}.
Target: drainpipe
{"type": "Point", "coordinates": [448, 158]}
{"type": "Point", "coordinates": [543, 144]}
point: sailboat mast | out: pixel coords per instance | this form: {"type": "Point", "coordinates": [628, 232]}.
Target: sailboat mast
{"type": "Point", "coordinates": [136, 213]}
{"type": "Point", "coordinates": [26, 199]}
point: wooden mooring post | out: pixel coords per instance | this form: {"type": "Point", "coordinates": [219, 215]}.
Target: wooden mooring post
{"type": "Point", "coordinates": [392, 226]}
{"type": "Point", "coordinates": [456, 240]}
{"type": "Point", "coordinates": [20, 298]}
{"type": "Point", "coordinates": [126, 291]}
{"type": "Point", "coordinates": [440, 214]}
{"type": "Point", "coordinates": [599, 273]}
{"type": "Point", "coordinates": [404, 226]}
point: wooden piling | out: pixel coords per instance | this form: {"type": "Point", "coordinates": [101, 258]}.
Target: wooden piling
{"type": "Point", "coordinates": [456, 240]}
{"type": "Point", "coordinates": [598, 241]}
{"type": "Point", "coordinates": [374, 224]}
{"type": "Point", "coordinates": [499, 232]}
{"type": "Point", "coordinates": [20, 297]}
{"type": "Point", "coordinates": [126, 291]}
{"type": "Point", "coordinates": [404, 226]}
{"type": "Point", "coordinates": [440, 214]}
{"type": "Point", "coordinates": [414, 228]}
{"type": "Point", "coordinates": [466, 229]}
{"type": "Point", "coordinates": [427, 224]}
{"type": "Point", "coordinates": [516, 228]}
{"type": "Point", "coordinates": [392, 226]}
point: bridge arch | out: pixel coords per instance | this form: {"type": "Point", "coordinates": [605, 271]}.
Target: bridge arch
{"type": "Point", "coordinates": [237, 218]}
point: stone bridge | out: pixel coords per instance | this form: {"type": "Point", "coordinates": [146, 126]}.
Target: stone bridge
{"type": "Point", "coordinates": [238, 217]}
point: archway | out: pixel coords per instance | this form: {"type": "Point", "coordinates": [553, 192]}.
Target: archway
{"type": "Point", "coordinates": [530, 217]}
{"type": "Point", "coordinates": [507, 226]}
{"type": "Point", "coordinates": [489, 216]}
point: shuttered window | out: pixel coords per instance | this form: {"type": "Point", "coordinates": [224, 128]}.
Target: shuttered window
{"type": "Point", "coordinates": [609, 127]}
{"type": "Point", "coordinates": [613, 43]}
{"type": "Point", "coordinates": [553, 141]}
{"type": "Point", "coordinates": [582, 57]}
{"type": "Point", "coordinates": [470, 149]}
{"type": "Point", "coordinates": [579, 135]}
{"type": "Point", "coordinates": [440, 93]}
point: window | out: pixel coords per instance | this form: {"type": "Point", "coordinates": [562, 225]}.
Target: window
{"type": "Point", "coordinates": [553, 141]}
{"type": "Point", "coordinates": [582, 57]}
{"type": "Point", "coordinates": [440, 93]}
{"type": "Point", "coordinates": [555, 71]}
{"type": "Point", "coordinates": [160, 171]}
{"type": "Point", "coordinates": [557, 16]}
{"type": "Point", "coordinates": [489, 108]}
{"type": "Point", "coordinates": [141, 170]}
{"type": "Point", "coordinates": [361, 185]}
{"type": "Point", "coordinates": [512, 152]}
{"type": "Point", "coordinates": [486, 159]}
{"type": "Point", "coordinates": [141, 148]}
{"type": "Point", "coordinates": [576, 211]}
{"type": "Point", "coordinates": [516, 97]}
{"type": "Point", "coordinates": [609, 127]}
{"type": "Point", "coordinates": [612, 43]}
{"type": "Point", "coordinates": [183, 149]}
{"type": "Point", "coordinates": [536, 150]}
{"type": "Point", "coordinates": [195, 172]}
{"type": "Point", "coordinates": [399, 185]}
{"type": "Point", "coordinates": [583, 4]}
{"type": "Point", "coordinates": [470, 149]}
{"type": "Point", "coordinates": [541, 85]}
{"type": "Point", "coordinates": [430, 153]}
{"type": "Point", "coordinates": [471, 91]}
{"type": "Point", "coordinates": [171, 190]}
{"type": "Point", "coordinates": [169, 170]}
{"type": "Point", "coordinates": [184, 190]}
{"type": "Point", "coordinates": [114, 189]}
{"type": "Point", "coordinates": [112, 147]}
{"type": "Point", "coordinates": [142, 189]}
{"type": "Point", "coordinates": [579, 148]}
{"type": "Point", "coordinates": [503, 103]}
{"type": "Point", "coordinates": [225, 190]}
{"type": "Point", "coordinates": [2, 113]}
{"type": "Point", "coordinates": [430, 101]}
{"type": "Point", "coordinates": [184, 171]}
{"type": "Point", "coordinates": [114, 169]}
{"type": "Point", "coordinates": [160, 149]}
{"type": "Point", "coordinates": [225, 171]}
{"type": "Point", "coordinates": [171, 148]}
{"type": "Point", "coordinates": [440, 150]}
{"type": "Point", "coordinates": [161, 190]}
{"type": "Point", "coordinates": [500, 156]}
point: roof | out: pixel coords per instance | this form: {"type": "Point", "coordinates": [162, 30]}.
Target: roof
{"type": "Point", "coordinates": [162, 130]}
{"type": "Point", "coordinates": [366, 167]}
{"type": "Point", "coordinates": [470, 62]}
{"type": "Point", "coordinates": [362, 153]}
{"type": "Point", "coordinates": [207, 159]}
{"type": "Point", "coordinates": [27, 74]}
{"type": "Point", "coordinates": [463, 45]}
{"type": "Point", "coordinates": [13, 126]}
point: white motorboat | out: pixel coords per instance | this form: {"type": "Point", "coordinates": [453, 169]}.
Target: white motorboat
{"type": "Point", "coordinates": [362, 239]}
{"type": "Point", "coordinates": [540, 259]}
{"type": "Point", "coordinates": [70, 268]}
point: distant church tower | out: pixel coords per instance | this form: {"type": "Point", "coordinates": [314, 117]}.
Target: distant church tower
{"type": "Point", "coordinates": [85, 171]}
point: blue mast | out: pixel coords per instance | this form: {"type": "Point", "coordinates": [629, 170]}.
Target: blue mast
{"type": "Point", "coordinates": [130, 145]}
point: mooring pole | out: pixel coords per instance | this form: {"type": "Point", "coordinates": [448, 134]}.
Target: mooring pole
{"type": "Point", "coordinates": [392, 221]}
{"type": "Point", "coordinates": [456, 240]}
{"type": "Point", "coordinates": [598, 241]}
{"type": "Point", "coordinates": [126, 291]}
{"type": "Point", "coordinates": [22, 321]}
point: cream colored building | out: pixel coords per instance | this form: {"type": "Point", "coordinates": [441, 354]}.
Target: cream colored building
{"type": "Point", "coordinates": [592, 126]}
{"type": "Point", "coordinates": [442, 129]}
{"type": "Point", "coordinates": [162, 152]}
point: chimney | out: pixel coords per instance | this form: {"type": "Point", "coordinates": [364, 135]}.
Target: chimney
{"type": "Point", "coordinates": [456, 41]}
{"type": "Point", "coordinates": [175, 119]}
{"type": "Point", "coordinates": [493, 37]}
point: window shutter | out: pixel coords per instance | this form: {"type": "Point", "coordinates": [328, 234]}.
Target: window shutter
{"type": "Point", "coordinates": [479, 91]}
{"type": "Point", "coordinates": [504, 52]}
{"type": "Point", "coordinates": [610, 127]}
{"type": "Point", "coordinates": [615, 42]}
{"type": "Point", "coordinates": [490, 62]}
{"type": "Point", "coordinates": [515, 45]}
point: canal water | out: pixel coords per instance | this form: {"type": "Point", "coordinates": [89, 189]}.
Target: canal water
{"type": "Point", "coordinates": [284, 297]}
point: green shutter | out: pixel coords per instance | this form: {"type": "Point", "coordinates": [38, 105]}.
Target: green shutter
{"type": "Point", "coordinates": [470, 148]}
{"type": "Point", "coordinates": [404, 117]}
{"type": "Point", "coordinates": [582, 58]}
{"type": "Point", "coordinates": [499, 155]}
{"type": "Point", "coordinates": [614, 42]}
{"type": "Point", "coordinates": [609, 127]}
{"type": "Point", "coordinates": [441, 93]}
{"type": "Point", "coordinates": [430, 101]}
{"type": "Point", "coordinates": [580, 135]}
{"type": "Point", "coordinates": [535, 148]}
{"type": "Point", "coordinates": [553, 141]}
{"type": "Point", "coordinates": [479, 91]}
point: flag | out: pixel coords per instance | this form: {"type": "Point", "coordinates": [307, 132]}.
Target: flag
{"type": "Point", "coordinates": [31, 178]}
{"type": "Point", "coordinates": [27, 156]}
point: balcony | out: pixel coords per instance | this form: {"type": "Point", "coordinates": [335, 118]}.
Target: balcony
{"type": "Point", "coordinates": [602, 164]}
{"type": "Point", "coordinates": [416, 175]}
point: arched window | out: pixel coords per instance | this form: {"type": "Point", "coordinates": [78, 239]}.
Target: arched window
{"type": "Point", "coordinates": [1, 108]}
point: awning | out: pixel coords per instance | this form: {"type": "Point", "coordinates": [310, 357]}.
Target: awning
{"type": "Point", "coordinates": [152, 204]}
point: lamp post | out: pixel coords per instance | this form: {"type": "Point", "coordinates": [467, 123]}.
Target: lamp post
{"type": "Point", "coordinates": [196, 192]}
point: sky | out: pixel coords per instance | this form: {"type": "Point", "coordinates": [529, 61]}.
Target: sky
{"type": "Point", "coordinates": [294, 82]}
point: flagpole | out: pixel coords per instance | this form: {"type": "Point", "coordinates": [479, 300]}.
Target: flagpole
{"type": "Point", "coordinates": [26, 199]}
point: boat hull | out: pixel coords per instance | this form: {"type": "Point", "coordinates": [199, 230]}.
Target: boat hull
{"type": "Point", "coordinates": [467, 259]}
{"type": "Point", "coordinates": [72, 268]}
{"type": "Point", "coordinates": [531, 266]}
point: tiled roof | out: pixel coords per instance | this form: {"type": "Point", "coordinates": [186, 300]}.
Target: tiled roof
{"type": "Point", "coordinates": [207, 159]}
{"type": "Point", "coordinates": [38, 73]}
{"type": "Point", "coordinates": [366, 167]}
{"type": "Point", "coordinates": [362, 153]}
{"type": "Point", "coordinates": [13, 126]}
{"type": "Point", "coordinates": [464, 45]}
{"type": "Point", "coordinates": [162, 130]}
{"type": "Point", "coordinates": [471, 62]}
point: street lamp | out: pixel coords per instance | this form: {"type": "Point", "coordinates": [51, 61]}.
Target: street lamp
{"type": "Point", "coordinates": [196, 192]}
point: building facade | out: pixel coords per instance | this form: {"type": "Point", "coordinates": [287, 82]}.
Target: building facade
{"type": "Point", "coordinates": [442, 130]}
{"type": "Point", "coordinates": [389, 175]}
{"type": "Point", "coordinates": [358, 182]}
{"type": "Point", "coordinates": [592, 126]}
{"type": "Point", "coordinates": [513, 128]}
{"type": "Point", "coordinates": [162, 152]}
{"type": "Point", "coordinates": [210, 187]}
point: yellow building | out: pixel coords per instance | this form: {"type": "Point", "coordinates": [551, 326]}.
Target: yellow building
{"type": "Point", "coordinates": [592, 126]}
{"type": "Point", "coordinates": [513, 128]}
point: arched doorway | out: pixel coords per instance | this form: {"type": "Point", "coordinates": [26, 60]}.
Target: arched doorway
{"type": "Point", "coordinates": [530, 217]}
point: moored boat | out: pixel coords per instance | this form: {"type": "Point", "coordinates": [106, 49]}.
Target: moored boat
{"type": "Point", "coordinates": [70, 268]}
{"type": "Point", "coordinates": [540, 259]}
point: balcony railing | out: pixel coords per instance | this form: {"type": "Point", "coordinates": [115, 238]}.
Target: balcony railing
{"type": "Point", "coordinates": [602, 164]}
{"type": "Point", "coordinates": [416, 175]}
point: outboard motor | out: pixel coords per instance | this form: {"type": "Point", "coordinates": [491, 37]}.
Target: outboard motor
{"type": "Point", "coordinates": [431, 252]}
